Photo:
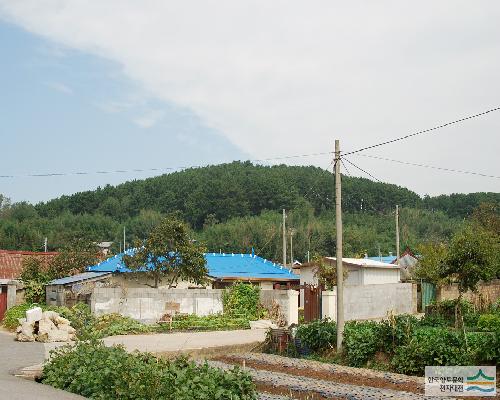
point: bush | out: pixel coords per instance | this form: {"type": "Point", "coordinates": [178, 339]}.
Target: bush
{"type": "Point", "coordinates": [318, 335]}
{"type": "Point", "coordinates": [489, 323]}
{"type": "Point", "coordinates": [116, 324]}
{"type": "Point", "coordinates": [446, 310]}
{"type": "Point", "coordinates": [361, 341]}
{"type": "Point", "coordinates": [95, 371]}
{"type": "Point", "coordinates": [396, 331]}
{"type": "Point", "coordinates": [213, 322]}
{"type": "Point", "coordinates": [484, 347]}
{"type": "Point", "coordinates": [10, 320]}
{"type": "Point", "coordinates": [430, 346]}
{"type": "Point", "coordinates": [242, 300]}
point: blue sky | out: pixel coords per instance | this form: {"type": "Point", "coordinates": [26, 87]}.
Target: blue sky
{"type": "Point", "coordinates": [115, 84]}
{"type": "Point", "coordinates": [65, 111]}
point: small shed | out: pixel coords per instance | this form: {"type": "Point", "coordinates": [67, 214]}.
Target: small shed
{"type": "Point", "coordinates": [74, 289]}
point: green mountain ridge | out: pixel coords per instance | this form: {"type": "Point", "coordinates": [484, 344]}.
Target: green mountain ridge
{"type": "Point", "coordinates": [227, 199]}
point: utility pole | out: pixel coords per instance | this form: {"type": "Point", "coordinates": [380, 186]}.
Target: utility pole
{"type": "Point", "coordinates": [124, 246]}
{"type": "Point", "coordinates": [340, 269]}
{"type": "Point", "coordinates": [397, 235]}
{"type": "Point", "coordinates": [284, 238]}
{"type": "Point", "coordinates": [292, 232]}
{"type": "Point", "coordinates": [45, 245]}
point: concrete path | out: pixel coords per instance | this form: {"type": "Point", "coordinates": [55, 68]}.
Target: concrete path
{"type": "Point", "coordinates": [14, 356]}
{"type": "Point", "coordinates": [170, 342]}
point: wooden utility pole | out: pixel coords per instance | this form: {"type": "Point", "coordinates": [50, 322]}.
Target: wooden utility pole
{"type": "Point", "coordinates": [292, 232]}
{"type": "Point", "coordinates": [397, 235]}
{"type": "Point", "coordinates": [284, 238]}
{"type": "Point", "coordinates": [124, 241]}
{"type": "Point", "coordinates": [340, 269]}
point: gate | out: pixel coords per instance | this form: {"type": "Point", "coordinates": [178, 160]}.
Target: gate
{"type": "Point", "coordinates": [428, 291]}
{"type": "Point", "coordinates": [3, 301]}
{"type": "Point", "coordinates": [312, 303]}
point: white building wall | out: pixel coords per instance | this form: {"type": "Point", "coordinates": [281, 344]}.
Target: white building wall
{"type": "Point", "coordinates": [378, 276]}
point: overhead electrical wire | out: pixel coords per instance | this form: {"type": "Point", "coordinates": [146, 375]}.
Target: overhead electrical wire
{"type": "Point", "coordinates": [429, 166]}
{"type": "Point", "coordinates": [423, 131]}
{"type": "Point", "coordinates": [361, 169]}
{"type": "Point", "coordinates": [55, 174]}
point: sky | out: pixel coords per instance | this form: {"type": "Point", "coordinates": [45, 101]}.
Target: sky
{"type": "Point", "coordinates": [159, 85]}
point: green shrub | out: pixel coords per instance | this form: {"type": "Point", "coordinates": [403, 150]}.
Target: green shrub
{"type": "Point", "coordinates": [242, 300]}
{"type": "Point", "coordinates": [95, 371]}
{"type": "Point", "coordinates": [484, 347]}
{"type": "Point", "coordinates": [396, 331]}
{"type": "Point", "coordinates": [434, 320]}
{"type": "Point", "coordinates": [430, 346]}
{"type": "Point", "coordinates": [116, 324]}
{"type": "Point", "coordinates": [361, 341]}
{"type": "Point", "coordinates": [318, 335]}
{"type": "Point", "coordinates": [212, 322]}
{"type": "Point", "coordinates": [446, 310]}
{"type": "Point", "coordinates": [10, 320]}
{"type": "Point", "coordinates": [489, 322]}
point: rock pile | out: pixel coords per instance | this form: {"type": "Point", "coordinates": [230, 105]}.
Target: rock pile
{"type": "Point", "coordinates": [45, 327]}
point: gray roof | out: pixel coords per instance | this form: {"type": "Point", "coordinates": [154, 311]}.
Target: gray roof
{"type": "Point", "coordinates": [78, 278]}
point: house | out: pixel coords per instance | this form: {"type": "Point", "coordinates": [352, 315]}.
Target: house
{"type": "Point", "coordinates": [361, 271]}
{"type": "Point", "coordinates": [407, 262]}
{"type": "Point", "coordinates": [223, 270]}
{"type": "Point", "coordinates": [11, 266]}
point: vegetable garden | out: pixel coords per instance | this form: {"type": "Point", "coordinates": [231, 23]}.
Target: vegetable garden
{"type": "Point", "coordinates": [404, 343]}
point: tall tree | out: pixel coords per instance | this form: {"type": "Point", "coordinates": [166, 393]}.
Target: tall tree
{"type": "Point", "coordinates": [169, 254]}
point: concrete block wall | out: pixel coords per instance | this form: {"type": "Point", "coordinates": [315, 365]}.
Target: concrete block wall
{"type": "Point", "coordinates": [487, 293]}
{"type": "Point", "coordinates": [148, 305]}
{"type": "Point", "coordinates": [372, 301]}
{"type": "Point", "coordinates": [288, 301]}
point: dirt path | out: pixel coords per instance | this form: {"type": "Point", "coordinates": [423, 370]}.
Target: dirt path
{"type": "Point", "coordinates": [304, 379]}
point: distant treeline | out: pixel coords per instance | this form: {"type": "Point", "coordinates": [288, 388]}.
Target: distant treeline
{"type": "Point", "coordinates": [237, 206]}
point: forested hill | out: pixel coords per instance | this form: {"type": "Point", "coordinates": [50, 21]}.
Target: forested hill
{"type": "Point", "coordinates": [241, 189]}
{"type": "Point", "coordinates": [234, 196]}
{"type": "Point", "coordinates": [231, 190]}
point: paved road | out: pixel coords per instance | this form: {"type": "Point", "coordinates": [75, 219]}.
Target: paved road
{"type": "Point", "coordinates": [167, 342]}
{"type": "Point", "coordinates": [15, 355]}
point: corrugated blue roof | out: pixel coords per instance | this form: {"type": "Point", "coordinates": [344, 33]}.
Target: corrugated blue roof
{"type": "Point", "coordinates": [384, 259]}
{"type": "Point", "coordinates": [244, 266]}
{"type": "Point", "coordinates": [78, 278]}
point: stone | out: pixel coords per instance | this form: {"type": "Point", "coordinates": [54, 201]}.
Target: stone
{"type": "Point", "coordinates": [61, 321]}
{"type": "Point", "coordinates": [25, 332]}
{"type": "Point", "coordinates": [58, 336]}
{"type": "Point", "coordinates": [45, 326]}
{"type": "Point", "coordinates": [262, 324]}
{"type": "Point", "coordinates": [50, 315]}
{"type": "Point", "coordinates": [66, 328]}
{"type": "Point", "coordinates": [34, 314]}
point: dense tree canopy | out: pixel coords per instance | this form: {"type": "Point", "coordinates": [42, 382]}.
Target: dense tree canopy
{"type": "Point", "coordinates": [237, 206]}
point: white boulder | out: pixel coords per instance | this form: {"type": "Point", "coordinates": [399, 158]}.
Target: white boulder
{"type": "Point", "coordinates": [34, 314]}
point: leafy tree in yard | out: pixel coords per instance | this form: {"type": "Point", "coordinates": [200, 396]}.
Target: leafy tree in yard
{"type": "Point", "coordinates": [35, 276]}
{"type": "Point", "coordinates": [432, 257]}
{"type": "Point", "coordinates": [472, 257]}
{"type": "Point", "coordinates": [169, 254]}
{"type": "Point", "coordinates": [73, 259]}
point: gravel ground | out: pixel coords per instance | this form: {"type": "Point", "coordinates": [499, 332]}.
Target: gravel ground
{"type": "Point", "coordinates": [334, 368]}
{"type": "Point", "coordinates": [324, 388]}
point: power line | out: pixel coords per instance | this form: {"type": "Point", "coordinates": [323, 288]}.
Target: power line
{"type": "Point", "coordinates": [361, 169]}
{"type": "Point", "coordinates": [429, 166]}
{"type": "Point", "coordinates": [423, 131]}
{"type": "Point", "coordinates": [121, 171]}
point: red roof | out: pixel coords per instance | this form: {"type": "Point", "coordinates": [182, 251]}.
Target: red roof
{"type": "Point", "coordinates": [11, 261]}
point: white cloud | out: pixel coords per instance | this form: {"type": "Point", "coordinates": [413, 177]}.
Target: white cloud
{"type": "Point", "coordinates": [287, 77]}
{"type": "Point", "coordinates": [60, 87]}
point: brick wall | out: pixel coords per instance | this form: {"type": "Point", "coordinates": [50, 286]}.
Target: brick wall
{"type": "Point", "coordinates": [487, 293]}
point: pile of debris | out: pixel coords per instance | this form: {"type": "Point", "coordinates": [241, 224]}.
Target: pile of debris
{"type": "Point", "coordinates": [47, 326]}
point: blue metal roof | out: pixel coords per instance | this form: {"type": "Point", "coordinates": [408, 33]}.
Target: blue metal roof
{"type": "Point", "coordinates": [232, 266]}
{"type": "Point", "coordinates": [77, 278]}
{"type": "Point", "coordinates": [384, 259]}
